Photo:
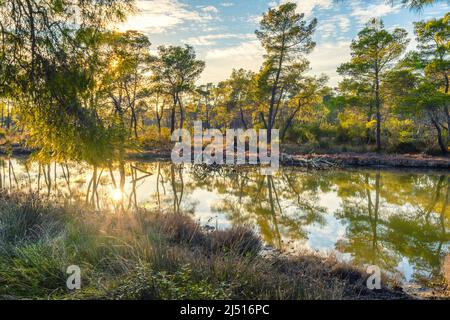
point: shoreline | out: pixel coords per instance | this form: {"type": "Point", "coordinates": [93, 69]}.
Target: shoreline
{"type": "Point", "coordinates": [371, 160]}
{"type": "Point", "coordinates": [313, 160]}
{"type": "Point", "coordinates": [341, 160]}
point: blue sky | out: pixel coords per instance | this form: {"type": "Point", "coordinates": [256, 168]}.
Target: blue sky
{"type": "Point", "coordinates": [222, 31]}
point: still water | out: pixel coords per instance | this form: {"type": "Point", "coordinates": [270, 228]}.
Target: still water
{"type": "Point", "coordinates": [398, 220]}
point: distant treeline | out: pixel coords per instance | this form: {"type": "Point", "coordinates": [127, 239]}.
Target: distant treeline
{"type": "Point", "coordinates": [75, 89]}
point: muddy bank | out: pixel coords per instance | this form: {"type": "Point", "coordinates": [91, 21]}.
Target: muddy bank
{"type": "Point", "coordinates": [15, 150]}
{"type": "Point", "coordinates": [376, 160]}
{"type": "Point", "coordinates": [314, 161]}
{"type": "Point", "coordinates": [326, 161]}
{"type": "Point", "coordinates": [150, 155]}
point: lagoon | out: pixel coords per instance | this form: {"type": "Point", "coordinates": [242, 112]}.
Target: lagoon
{"type": "Point", "coordinates": [397, 220]}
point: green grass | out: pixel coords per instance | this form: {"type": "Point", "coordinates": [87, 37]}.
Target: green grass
{"type": "Point", "coordinates": [145, 255]}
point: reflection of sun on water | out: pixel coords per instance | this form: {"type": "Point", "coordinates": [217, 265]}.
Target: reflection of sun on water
{"type": "Point", "coordinates": [116, 195]}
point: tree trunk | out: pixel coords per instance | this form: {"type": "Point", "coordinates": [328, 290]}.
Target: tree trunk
{"type": "Point", "coordinates": [243, 118]}
{"type": "Point", "coordinates": [158, 119]}
{"type": "Point", "coordinates": [447, 111]}
{"type": "Point", "coordinates": [134, 122]}
{"type": "Point", "coordinates": [289, 122]}
{"type": "Point", "coordinates": [369, 118]}
{"type": "Point", "coordinates": [181, 117]}
{"type": "Point", "coordinates": [448, 125]}
{"type": "Point", "coordinates": [8, 123]}
{"type": "Point", "coordinates": [270, 121]}
{"type": "Point", "coordinates": [122, 176]}
{"type": "Point", "coordinates": [180, 106]}
{"type": "Point", "coordinates": [439, 136]}
{"type": "Point", "coordinates": [172, 119]}
{"type": "Point", "coordinates": [285, 129]}
{"type": "Point", "coordinates": [378, 107]}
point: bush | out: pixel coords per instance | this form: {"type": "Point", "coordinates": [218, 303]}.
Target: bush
{"type": "Point", "coordinates": [33, 270]}
{"type": "Point", "coordinates": [27, 219]}
{"type": "Point", "coordinates": [237, 240]}
{"type": "Point", "coordinates": [181, 229]}
{"type": "Point", "coordinates": [150, 138]}
{"type": "Point", "coordinates": [146, 284]}
{"type": "Point", "coordinates": [399, 135]}
{"type": "Point", "coordinates": [2, 134]}
{"type": "Point", "coordinates": [352, 127]}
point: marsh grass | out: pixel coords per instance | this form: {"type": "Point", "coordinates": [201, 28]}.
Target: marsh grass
{"type": "Point", "coordinates": [145, 255]}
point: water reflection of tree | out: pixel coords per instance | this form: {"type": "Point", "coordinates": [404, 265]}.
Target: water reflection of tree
{"type": "Point", "coordinates": [416, 228]}
{"type": "Point", "coordinates": [279, 205]}
{"type": "Point", "coordinates": [388, 215]}
{"type": "Point", "coordinates": [366, 226]}
{"type": "Point", "coordinates": [171, 193]}
{"type": "Point", "coordinates": [424, 238]}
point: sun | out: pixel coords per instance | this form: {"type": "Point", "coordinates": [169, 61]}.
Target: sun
{"type": "Point", "coordinates": [116, 195]}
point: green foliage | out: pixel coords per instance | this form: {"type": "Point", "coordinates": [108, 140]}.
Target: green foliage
{"type": "Point", "coordinates": [418, 5]}
{"type": "Point", "coordinates": [49, 74]}
{"type": "Point", "coordinates": [373, 53]}
{"type": "Point", "coordinates": [2, 134]}
{"type": "Point", "coordinates": [151, 139]}
{"type": "Point", "coordinates": [353, 125]}
{"type": "Point", "coordinates": [146, 284]}
{"type": "Point", "coordinates": [281, 29]}
{"type": "Point", "coordinates": [400, 134]}
{"type": "Point", "coordinates": [81, 91]}
{"type": "Point", "coordinates": [175, 71]}
{"type": "Point", "coordinates": [33, 270]}
{"type": "Point", "coordinates": [420, 85]}
{"type": "Point", "coordinates": [286, 36]}
{"type": "Point", "coordinates": [177, 68]}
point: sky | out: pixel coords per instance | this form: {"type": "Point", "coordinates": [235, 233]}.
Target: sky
{"type": "Point", "coordinates": [222, 32]}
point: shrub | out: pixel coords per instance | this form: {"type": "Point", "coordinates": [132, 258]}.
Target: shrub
{"type": "Point", "coordinates": [151, 139]}
{"type": "Point", "coordinates": [2, 134]}
{"type": "Point", "coordinates": [181, 229]}
{"type": "Point", "coordinates": [352, 126]}
{"type": "Point", "coordinates": [238, 240]}
{"type": "Point", "coordinates": [34, 270]}
{"type": "Point", "coordinates": [146, 284]}
{"type": "Point", "coordinates": [27, 219]}
{"type": "Point", "coordinates": [399, 134]}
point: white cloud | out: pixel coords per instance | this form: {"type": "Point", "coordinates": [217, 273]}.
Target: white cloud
{"type": "Point", "coordinates": [211, 39]}
{"type": "Point", "coordinates": [273, 4]}
{"type": "Point", "coordinates": [333, 26]}
{"type": "Point", "coordinates": [325, 59]}
{"type": "Point", "coordinates": [307, 6]}
{"type": "Point", "coordinates": [210, 9]}
{"type": "Point", "coordinates": [344, 23]}
{"type": "Point", "coordinates": [220, 62]}
{"type": "Point", "coordinates": [366, 12]}
{"type": "Point", "coordinates": [157, 16]}
{"type": "Point", "coordinates": [249, 48]}
{"type": "Point", "coordinates": [227, 4]}
{"type": "Point", "coordinates": [327, 56]}
{"type": "Point", "coordinates": [255, 18]}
